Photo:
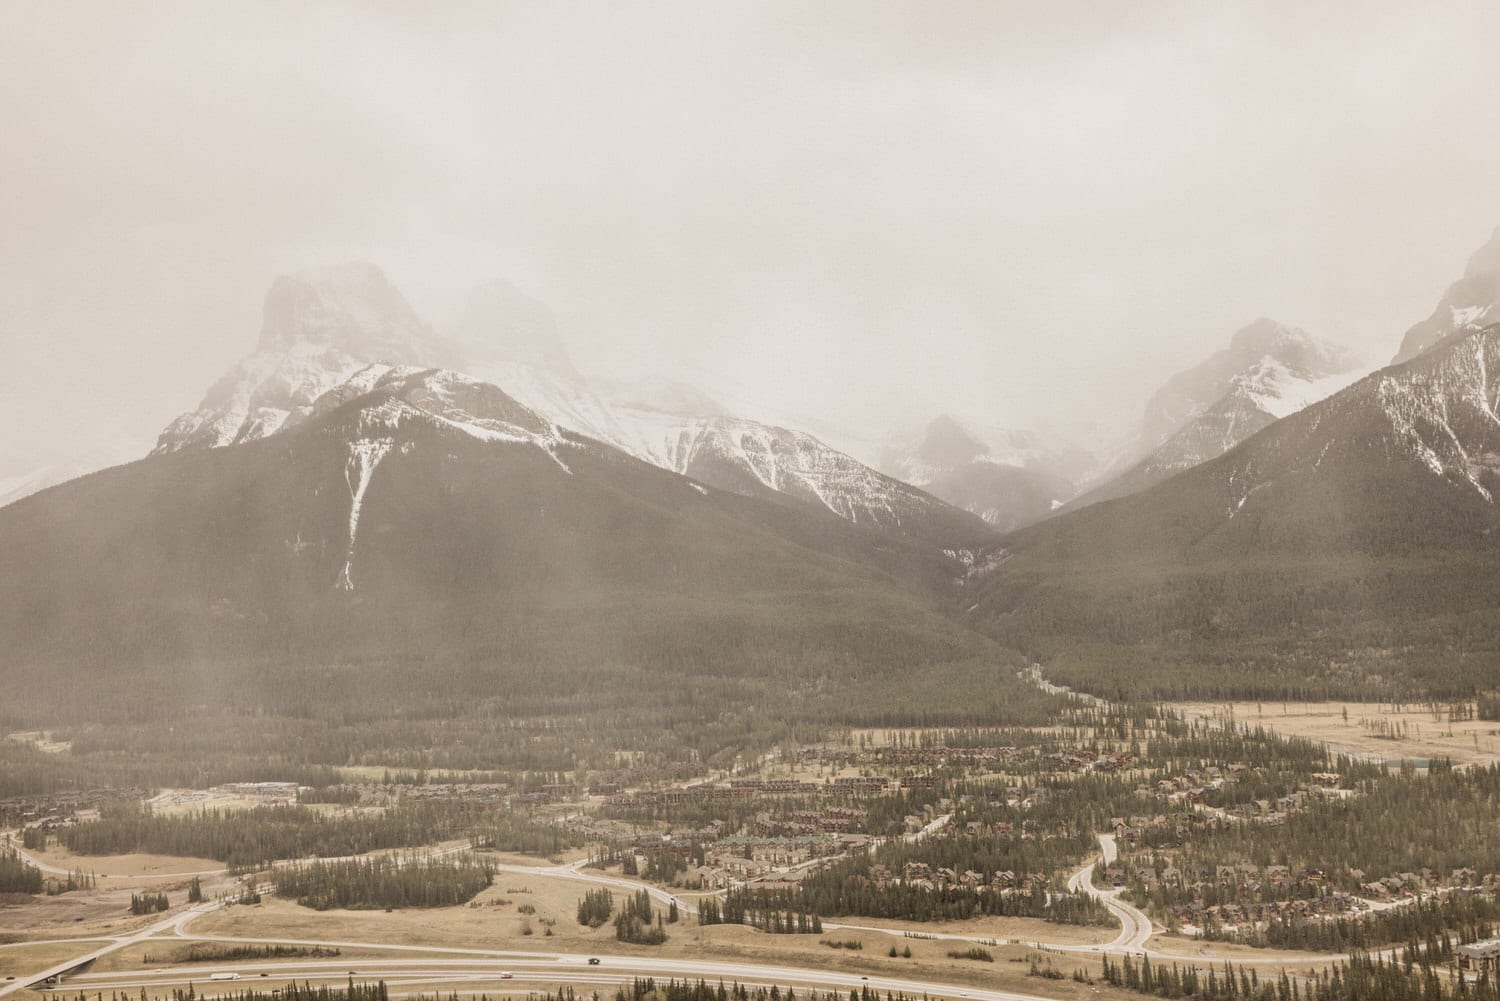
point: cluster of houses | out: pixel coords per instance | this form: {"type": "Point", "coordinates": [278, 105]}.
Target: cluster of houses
{"type": "Point", "coordinates": [929, 877]}
{"type": "Point", "coordinates": [1080, 759]}
{"type": "Point", "coordinates": [1197, 918]}
{"type": "Point", "coordinates": [917, 757]}
{"type": "Point", "coordinates": [828, 820]}
{"type": "Point", "coordinates": [59, 809]}
{"type": "Point", "coordinates": [473, 792]}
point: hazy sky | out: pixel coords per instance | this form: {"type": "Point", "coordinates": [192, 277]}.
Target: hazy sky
{"type": "Point", "coordinates": [870, 212]}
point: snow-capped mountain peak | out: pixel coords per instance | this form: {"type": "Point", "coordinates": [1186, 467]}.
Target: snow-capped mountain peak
{"type": "Point", "coordinates": [352, 308]}
{"type": "Point", "coordinates": [318, 328]}
{"type": "Point", "coordinates": [1268, 372]}
{"type": "Point", "coordinates": [1265, 362]}
{"type": "Point", "coordinates": [334, 336]}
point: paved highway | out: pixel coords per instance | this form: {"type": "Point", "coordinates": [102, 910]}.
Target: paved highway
{"type": "Point", "coordinates": [534, 968]}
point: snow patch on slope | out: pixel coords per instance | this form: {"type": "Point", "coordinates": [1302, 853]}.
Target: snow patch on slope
{"type": "Point", "coordinates": [364, 456]}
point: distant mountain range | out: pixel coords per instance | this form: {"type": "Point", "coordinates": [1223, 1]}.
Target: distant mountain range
{"type": "Point", "coordinates": [321, 329]}
{"type": "Point", "coordinates": [364, 485]}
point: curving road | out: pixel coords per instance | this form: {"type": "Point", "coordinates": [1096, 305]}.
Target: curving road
{"type": "Point", "coordinates": [1135, 930]}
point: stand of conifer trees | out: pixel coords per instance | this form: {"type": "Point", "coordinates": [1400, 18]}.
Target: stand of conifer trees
{"type": "Point", "coordinates": [385, 882]}
{"type": "Point", "coordinates": [636, 923]}
{"type": "Point", "coordinates": [1360, 978]}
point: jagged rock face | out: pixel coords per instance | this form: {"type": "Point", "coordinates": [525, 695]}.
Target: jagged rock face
{"type": "Point", "coordinates": [318, 329]}
{"type": "Point", "coordinates": [423, 515]}
{"type": "Point", "coordinates": [352, 308]}
{"type": "Point", "coordinates": [1470, 303]}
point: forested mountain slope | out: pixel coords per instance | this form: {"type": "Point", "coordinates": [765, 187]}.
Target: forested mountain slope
{"type": "Point", "coordinates": [1352, 547]}
{"type": "Point", "coordinates": [435, 535]}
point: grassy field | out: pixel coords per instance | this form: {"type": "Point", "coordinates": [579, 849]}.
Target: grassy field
{"type": "Point", "coordinates": [140, 869]}
{"type": "Point", "coordinates": [1357, 728]}
{"type": "Point", "coordinates": [17, 960]}
{"type": "Point", "coordinates": [497, 924]}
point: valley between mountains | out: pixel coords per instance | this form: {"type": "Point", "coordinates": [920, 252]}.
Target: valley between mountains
{"type": "Point", "coordinates": [412, 661]}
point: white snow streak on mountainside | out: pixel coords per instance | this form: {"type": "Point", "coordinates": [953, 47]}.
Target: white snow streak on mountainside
{"type": "Point", "coordinates": [402, 396]}
{"type": "Point", "coordinates": [364, 456]}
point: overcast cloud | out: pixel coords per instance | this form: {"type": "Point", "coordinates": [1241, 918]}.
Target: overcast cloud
{"type": "Point", "coordinates": [867, 212]}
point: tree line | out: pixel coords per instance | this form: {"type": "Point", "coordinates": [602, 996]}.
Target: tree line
{"type": "Point", "coordinates": [420, 881]}
{"type": "Point", "coordinates": [261, 835]}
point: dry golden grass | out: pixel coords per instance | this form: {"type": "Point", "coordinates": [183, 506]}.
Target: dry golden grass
{"type": "Point", "coordinates": [163, 868]}
{"type": "Point", "coordinates": [1217, 952]}
{"type": "Point", "coordinates": [19, 960]}
{"type": "Point", "coordinates": [998, 929]}
{"type": "Point", "coordinates": [1428, 735]}
{"type": "Point", "coordinates": [497, 924]}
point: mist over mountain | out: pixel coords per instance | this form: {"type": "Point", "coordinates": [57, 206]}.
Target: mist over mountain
{"type": "Point", "coordinates": [1009, 477]}
{"type": "Point", "coordinates": [1363, 523]}
{"type": "Point", "coordinates": [323, 330]}
{"type": "Point", "coordinates": [419, 512]}
{"type": "Point", "coordinates": [1269, 371]}
{"type": "Point", "coordinates": [1469, 304]}
{"type": "Point", "coordinates": [318, 329]}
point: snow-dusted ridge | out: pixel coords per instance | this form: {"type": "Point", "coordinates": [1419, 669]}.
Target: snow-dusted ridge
{"type": "Point", "coordinates": [332, 336]}
{"type": "Point", "coordinates": [1268, 372]}
{"type": "Point", "coordinates": [1440, 411]}
{"type": "Point", "coordinates": [751, 457]}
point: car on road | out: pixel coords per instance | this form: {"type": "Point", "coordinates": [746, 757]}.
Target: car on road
{"type": "Point", "coordinates": [593, 960]}
{"type": "Point", "coordinates": [507, 975]}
